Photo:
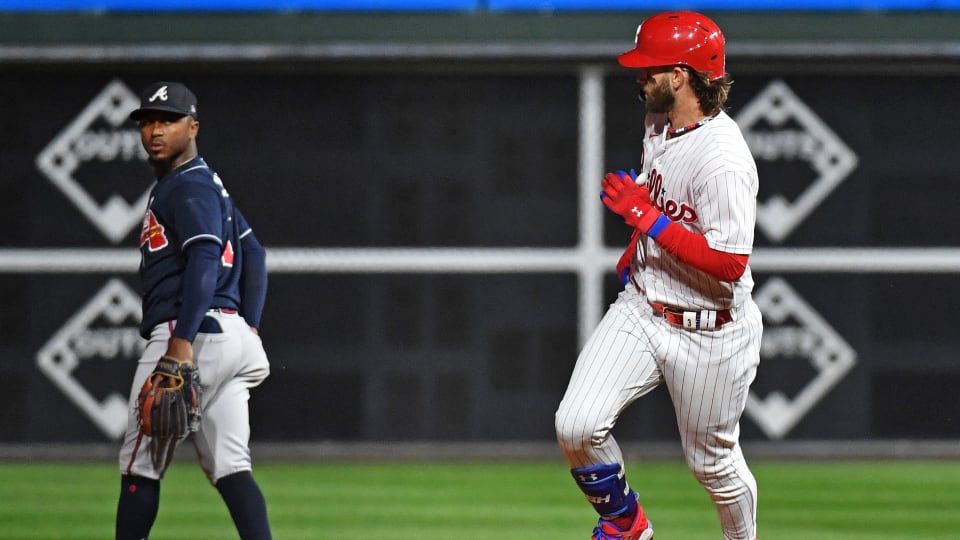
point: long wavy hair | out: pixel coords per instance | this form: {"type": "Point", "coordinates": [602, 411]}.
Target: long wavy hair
{"type": "Point", "coordinates": [712, 95]}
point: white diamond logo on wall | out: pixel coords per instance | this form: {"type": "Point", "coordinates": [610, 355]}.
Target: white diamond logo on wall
{"type": "Point", "coordinates": [101, 331]}
{"type": "Point", "coordinates": [79, 143]}
{"type": "Point", "coordinates": [794, 133]}
{"type": "Point", "coordinates": [808, 337]}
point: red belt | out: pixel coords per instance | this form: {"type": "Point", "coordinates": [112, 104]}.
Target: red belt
{"type": "Point", "coordinates": [225, 311]}
{"type": "Point", "coordinates": [693, 320]}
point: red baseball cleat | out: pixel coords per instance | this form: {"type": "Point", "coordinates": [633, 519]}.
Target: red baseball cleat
{"type": "Point", "coordinates": [640, 529]}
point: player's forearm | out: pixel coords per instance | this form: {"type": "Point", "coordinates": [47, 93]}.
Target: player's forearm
{"type": "Point", "coordinates": [179, 348]}
{"type": "Point", "coordinates": [692, 248]}
{"type": "Point", "coordinates": [253, 280]}
{"type": "Point", "coordinates": [623, 265]}
{"type": "Point", "coordinates": [199, 284]}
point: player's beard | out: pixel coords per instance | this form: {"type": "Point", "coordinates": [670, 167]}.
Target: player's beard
{"type": "Point", "coordinates": [161, 165]}
{"type": "Point", "coordinates": [660, 99]}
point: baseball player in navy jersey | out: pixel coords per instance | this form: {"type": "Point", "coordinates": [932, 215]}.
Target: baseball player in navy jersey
{"type": "Point", "coordinates": [685, 318]}
{"type": "Point", "coordinates": [204, 284]}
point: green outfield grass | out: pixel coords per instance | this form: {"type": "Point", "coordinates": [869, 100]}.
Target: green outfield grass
{"type": "Point", "coordinates": [885, 500]}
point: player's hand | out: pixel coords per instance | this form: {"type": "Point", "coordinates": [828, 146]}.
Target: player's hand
{"type": "Point", "coordinates": [638, 178]}
{"type": "Point", "coordinates": [624, 197]}
{"type": "Point", "coordinates": [631, 201]}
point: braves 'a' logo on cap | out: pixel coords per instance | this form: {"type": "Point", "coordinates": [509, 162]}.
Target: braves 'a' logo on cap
{"type": "Point", "coordinates": [160, 94]}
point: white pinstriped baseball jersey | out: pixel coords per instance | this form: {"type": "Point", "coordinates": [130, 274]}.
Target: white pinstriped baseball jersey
{"type": "Point", "coordinates": [706, 181]}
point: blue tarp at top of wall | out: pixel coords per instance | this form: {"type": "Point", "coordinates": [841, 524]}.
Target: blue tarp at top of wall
{"type": "Point", "coordinates": [471, 5]}
{"type": "Point", "coordinates": [240, 5]}
{"type": "Point", "coordinates": [718, 5]}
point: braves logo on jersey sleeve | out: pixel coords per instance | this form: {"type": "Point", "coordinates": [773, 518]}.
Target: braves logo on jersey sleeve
{"type": "Point", "coordinates": [227, 257]}
{"type": "Point", "coordinates": [676, 211]}
{"type": "Point", "coordinates": [153, 234]}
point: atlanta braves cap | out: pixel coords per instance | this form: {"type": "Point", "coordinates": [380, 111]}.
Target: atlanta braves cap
{"type": "Point", "coordinates": [171, 97]}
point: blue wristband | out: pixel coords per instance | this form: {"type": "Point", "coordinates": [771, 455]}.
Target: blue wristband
{"type": "Point", "coordinates": [658, 226]}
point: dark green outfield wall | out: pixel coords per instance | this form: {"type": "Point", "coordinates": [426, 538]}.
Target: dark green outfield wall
{"type": "Point", "coordinates": [418, 181]}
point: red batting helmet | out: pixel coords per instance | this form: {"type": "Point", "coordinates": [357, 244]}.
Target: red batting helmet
{"type": "Point", "coordinates": [678, 38]}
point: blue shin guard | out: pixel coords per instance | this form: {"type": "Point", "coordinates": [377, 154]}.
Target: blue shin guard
{"type": "Point", "coordinates": [605, 487]}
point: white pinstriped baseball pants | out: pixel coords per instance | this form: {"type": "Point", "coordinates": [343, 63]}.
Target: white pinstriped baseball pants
{"type": "Point", "coordinates": [707, 374]}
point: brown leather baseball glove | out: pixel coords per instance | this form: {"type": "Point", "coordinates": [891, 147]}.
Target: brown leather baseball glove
{"type": "Point", "coordinates": [168, 407]}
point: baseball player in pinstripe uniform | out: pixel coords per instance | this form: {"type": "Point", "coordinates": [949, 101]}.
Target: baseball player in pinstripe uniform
{"type": "Point", "coordinates": [685, 318]}
{"type": "Point", "coordinates": [204, 285]}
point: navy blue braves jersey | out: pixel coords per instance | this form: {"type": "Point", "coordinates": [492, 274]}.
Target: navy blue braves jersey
{"type": "Point", "coordinates": [187, 205]}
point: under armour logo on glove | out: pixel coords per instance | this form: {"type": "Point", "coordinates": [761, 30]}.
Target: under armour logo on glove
{"type": "Point", "coordinates": [623, 196]}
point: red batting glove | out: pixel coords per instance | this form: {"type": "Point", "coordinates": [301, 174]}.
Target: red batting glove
{"type": "Point", "coordinates": [630, 201]}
